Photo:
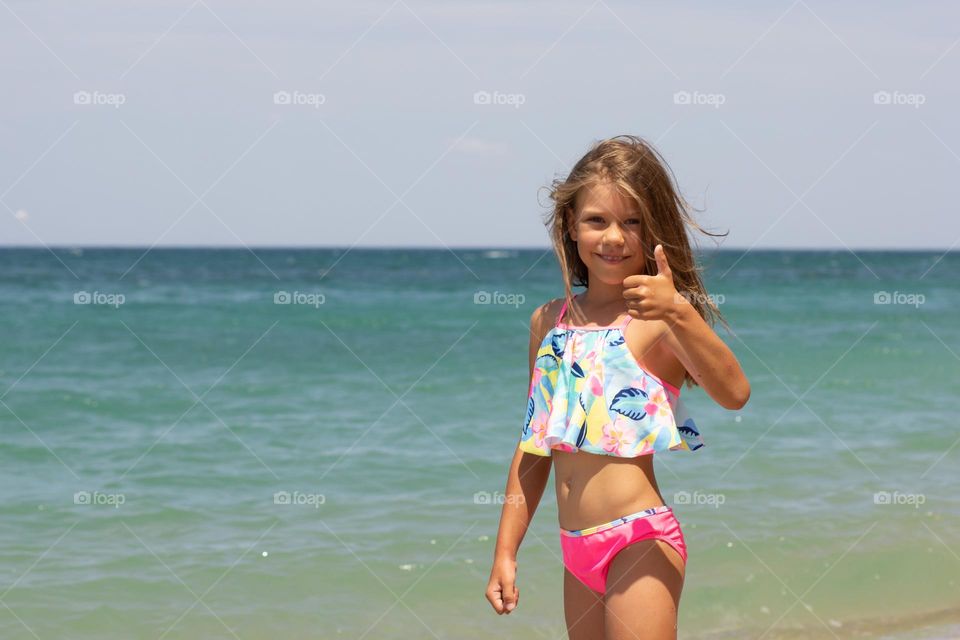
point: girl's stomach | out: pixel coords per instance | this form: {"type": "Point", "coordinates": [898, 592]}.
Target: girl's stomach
{"type": "Point", "coordinates": [594, 489]}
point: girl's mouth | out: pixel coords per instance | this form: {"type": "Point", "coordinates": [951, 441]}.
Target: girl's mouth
{"type": "Point", "coordinates": [611, 259]}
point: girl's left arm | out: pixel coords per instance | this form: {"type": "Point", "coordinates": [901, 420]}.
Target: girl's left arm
{"type": "Point", "coordinates": [708, 359]}
{"type": "Point", "coordinates": [692, 340]}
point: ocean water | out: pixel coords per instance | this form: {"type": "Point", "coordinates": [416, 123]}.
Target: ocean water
{"type": "Point", "coordinates": [185, 455]}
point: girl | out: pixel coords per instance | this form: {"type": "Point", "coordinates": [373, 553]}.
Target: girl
{"type": "Point", "coordinates": [606, 367]}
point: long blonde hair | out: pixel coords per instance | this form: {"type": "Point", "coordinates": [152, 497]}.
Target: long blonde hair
{"type": "Point", "coordinates": [643, 176]}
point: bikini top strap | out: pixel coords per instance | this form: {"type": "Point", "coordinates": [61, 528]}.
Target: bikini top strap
{"type": "Point", "coordinates": [563, 310]}
{"type": "Point", "coordinates": [625, 322]}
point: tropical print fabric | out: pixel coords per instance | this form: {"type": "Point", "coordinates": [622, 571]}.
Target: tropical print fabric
{"type": "Point", "coordinates": [588, 393]}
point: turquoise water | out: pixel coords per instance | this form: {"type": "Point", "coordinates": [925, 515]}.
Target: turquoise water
{"type": "Point", "coordinates": [150, 443]}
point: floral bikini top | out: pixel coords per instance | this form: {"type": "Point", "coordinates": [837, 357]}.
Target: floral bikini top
{"type": "Point", "coordinates": [589, 393]}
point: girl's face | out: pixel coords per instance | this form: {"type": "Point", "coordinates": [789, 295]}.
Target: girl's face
{"type": "Point", "coordinates": [606, 228]}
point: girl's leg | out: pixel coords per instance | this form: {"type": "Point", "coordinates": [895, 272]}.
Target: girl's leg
{"type": "Point", "coordinates": [643, 592]}
{"type": "Point", "coordinates": [583, 609]}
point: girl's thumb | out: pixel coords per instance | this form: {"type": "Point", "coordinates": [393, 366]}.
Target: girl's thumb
{"type": "Point", "coordinates": [510, 597]}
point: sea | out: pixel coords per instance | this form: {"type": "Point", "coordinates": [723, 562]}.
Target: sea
{"type": "Point", "coordinates": [267, 443]}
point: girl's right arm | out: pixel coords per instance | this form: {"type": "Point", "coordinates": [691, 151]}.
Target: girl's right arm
{"type": "Point", "coordinates": [526, 481]}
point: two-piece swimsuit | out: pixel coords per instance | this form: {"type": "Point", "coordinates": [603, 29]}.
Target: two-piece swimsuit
{"type": "Point", "coordinates": [588, 393]}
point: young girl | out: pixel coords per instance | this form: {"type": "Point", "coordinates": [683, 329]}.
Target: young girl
{"type": "Point", "coordinates": [606, 367]}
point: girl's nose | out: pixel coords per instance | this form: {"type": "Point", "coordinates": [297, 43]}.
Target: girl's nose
{"type": "Point", "coordinates": [612, 236]}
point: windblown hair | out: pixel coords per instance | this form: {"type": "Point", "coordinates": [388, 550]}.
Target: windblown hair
{"type": "Point", "coordinates": [644, 177]}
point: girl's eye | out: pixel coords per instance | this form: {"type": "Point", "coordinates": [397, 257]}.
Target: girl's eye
{"type": "Point", "coordinates": [599, 219]}
{"type": "Point", "coordinates": [632, 221]}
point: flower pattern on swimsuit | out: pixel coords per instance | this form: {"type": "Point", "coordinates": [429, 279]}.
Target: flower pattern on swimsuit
{"type": "Point", "coordinates": [588, 393]}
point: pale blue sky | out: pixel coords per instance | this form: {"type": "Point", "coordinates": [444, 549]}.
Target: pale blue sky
{"type": "Point", "coordinates": [799, 154]}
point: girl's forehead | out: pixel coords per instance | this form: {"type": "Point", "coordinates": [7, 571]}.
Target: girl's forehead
{"type": "Point", "coordinates": [604, 197]}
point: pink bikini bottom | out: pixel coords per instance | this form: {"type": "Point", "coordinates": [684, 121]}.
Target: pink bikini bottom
{"type": "Point", "coordinates": [587, 553]}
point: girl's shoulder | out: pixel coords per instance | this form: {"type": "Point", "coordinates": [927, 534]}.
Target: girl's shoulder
{"type": "Point", "coordinates": [547, 314]}
{"type": "Point", "coordinates": [544, 318]}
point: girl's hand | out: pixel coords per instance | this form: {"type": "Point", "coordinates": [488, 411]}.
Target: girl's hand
{"type": "Point", "coordinates": [652, 297]}
{"type": "Point", "coordinates": [502, 591]}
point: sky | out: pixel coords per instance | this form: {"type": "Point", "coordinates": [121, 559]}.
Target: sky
{"type": "Point", "coordinates": [793, 124]}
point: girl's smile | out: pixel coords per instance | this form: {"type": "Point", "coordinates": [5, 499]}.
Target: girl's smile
{"type": "Point", "coordinates": [612, 259]}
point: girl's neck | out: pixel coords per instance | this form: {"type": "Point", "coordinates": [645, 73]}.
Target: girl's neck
{"type": "Point", "coordinates": [600, 295]}
{"type": "Point", "coordinates": [600, 299]}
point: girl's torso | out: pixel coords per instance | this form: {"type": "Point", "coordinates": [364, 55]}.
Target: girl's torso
{"type": "Point", "coordinates": [593, 489]}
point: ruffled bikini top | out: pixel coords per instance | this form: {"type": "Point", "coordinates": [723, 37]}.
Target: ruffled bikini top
{"type": "Point", "coordinates": [589, 393]}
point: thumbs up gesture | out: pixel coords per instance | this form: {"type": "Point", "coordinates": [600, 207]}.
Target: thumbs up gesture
{"type": "Point", "coordinates": [652, 297]}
